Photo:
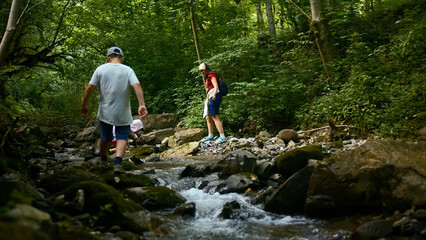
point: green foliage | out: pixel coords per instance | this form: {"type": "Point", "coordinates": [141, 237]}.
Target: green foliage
{"type": "Point", "coordinates": [375, 81]}
{"type": "Point", "coordinates": [384, 87]}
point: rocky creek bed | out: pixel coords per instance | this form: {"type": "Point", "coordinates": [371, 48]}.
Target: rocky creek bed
{"type": "Point", "coordinates": [293, 185]}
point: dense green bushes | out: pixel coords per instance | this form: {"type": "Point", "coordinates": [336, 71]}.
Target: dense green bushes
{"type": "Point", "coordinates": [375, 81]}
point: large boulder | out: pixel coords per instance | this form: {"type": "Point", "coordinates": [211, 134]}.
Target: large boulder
{"type": "Point", "coordinates": [288, 134]}
{"type": "Point", "coordinates": [290, 197]}
{"type": "Point", "coordinates": [185, 136]}
{"type": "Point", "coordinates": [157, 136]}
{"type": "Point", "coordinates": [381, 174]}
{"type": "Point", "coordinates": [294, 160]}
{"type": "Point", "coordinates": [158, 121]}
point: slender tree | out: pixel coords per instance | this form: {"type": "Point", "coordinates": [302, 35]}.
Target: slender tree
{"type": "Point", "coordinates": [10, 29]}
{"type": "Point", "coordinates": [194, 31]}
{"type": "Point", "coordinates": [270, 16]}
{"type": "Point", "coordinates": [260, 22]}
{"type": "Point", "coordinates": [320, 31]}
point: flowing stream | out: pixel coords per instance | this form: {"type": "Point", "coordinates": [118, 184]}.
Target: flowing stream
{"type": "Point", "coordinates": [247, 222]}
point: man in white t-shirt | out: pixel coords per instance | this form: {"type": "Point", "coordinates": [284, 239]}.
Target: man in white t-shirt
{"type": "Point", "coordinates": [113, 80]}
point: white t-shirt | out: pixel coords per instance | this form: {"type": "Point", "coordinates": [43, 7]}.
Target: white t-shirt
{"type": "Point", "coordinates": [114, 81]}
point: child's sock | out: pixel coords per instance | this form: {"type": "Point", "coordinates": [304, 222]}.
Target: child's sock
{"type": "Point", "coordinates": [211, 135]}
{"type": "Point", "coordinates": [104, 158]}
{"type": "Point", "coordinates": [118, 160]}
{"type": "Point", "coordinates": [222, 135]}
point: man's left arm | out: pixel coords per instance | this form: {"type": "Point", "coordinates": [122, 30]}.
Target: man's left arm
{"type": "Point", "coordinates": [139, 94]}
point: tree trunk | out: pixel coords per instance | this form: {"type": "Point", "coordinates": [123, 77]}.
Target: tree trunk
{"type": "Point", "coordinates": [10, 29]}
{"type": "Point", "coordinates": [320, 32]}
{"type": "Point", "coordinates": [270, 16]}
{"type": "Point", "coordinates": [260, 22]}
{"type": "Point", "coordinates": [194, 31]}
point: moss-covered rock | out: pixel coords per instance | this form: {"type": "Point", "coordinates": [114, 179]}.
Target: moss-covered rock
{"type": "Point", "coordinates": [157, 197]}
{"type": "Point", "coordinates": [143, 151]}
{"type": "Point", "coordinates": [109, 208]}
{"type": "Point", "coordinates": [127, 180]}
{"type": "Point", "coordinates": [294, 160]}
{"type": "Point", "coordinates": [65, 178]}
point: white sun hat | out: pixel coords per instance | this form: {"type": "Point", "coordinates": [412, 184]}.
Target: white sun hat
{"type": "Point", "coordinates": [136, 125]}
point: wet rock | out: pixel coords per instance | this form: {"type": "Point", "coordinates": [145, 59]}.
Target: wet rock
{"type": "Point", "coordinates": [320, 206]}
{"type": "Point", "coordinates": [195, 171]}
{"type": "Point", "coordinates": [228, 209]}
{"type": "Point", "coordinates": [294, 160]}
{"type": "Point", "coordinates": [185, 210]}
{"type": "Point", "coordinates": [412, 228]}
{"type": "Point", "coordinates": [288, 134]}
{"type": "Point", "coordinates": [185, 136]}
{"type": "Point", "coordinates": [263, 169]}
{"type": "Point", "coordinates": [153, 198]}
{"type": "Point", "coordinates": [290, 197]}
{"type": "Point", "coordinates": [374, 230]}
{"type": "Point", "coordinates": [239, 183]}
{"type": "Point", "coordinates": [261, 196]}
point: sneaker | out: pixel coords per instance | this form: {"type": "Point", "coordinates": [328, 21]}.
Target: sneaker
{"type": "Point", "coordinates": [205, 139]}
{"type": "Point", "coordinates": [220, 140]}
{"type": "Point", "coordinates": [118, 169]}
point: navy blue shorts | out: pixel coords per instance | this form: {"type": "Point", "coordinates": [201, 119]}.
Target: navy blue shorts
{"type": "Point", "coordinates": [107, 134]}
{"type": "Point", "coordinates": [214, 105]}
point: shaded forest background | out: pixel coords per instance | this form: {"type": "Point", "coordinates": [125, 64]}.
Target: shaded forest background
{"type": "Point", "coordinates": [268, 52]}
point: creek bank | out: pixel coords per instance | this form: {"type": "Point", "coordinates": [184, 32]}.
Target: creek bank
{"type": "Point", "coordinates": [285, 174]}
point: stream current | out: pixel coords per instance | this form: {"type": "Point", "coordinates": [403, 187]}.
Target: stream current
{"type": "Point", "coordinates": [248, 222]}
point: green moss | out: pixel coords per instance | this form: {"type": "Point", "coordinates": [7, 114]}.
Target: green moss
{"type": "Point", "coordinates": [99, 194]}
{"type": "Point", "coordinates": [128, 166]}
{"type": "Point", "coordinates": [62, 179]}
{"type": "Point", "coordinates": [142, 151]}
{"type": "Point", "coordinates": [294, 160]}
{"type": "Point", "coordinates": [127, 180]}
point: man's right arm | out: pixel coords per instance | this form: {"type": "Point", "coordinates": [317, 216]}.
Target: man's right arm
{"type": "Point", "coordinates": [86, 96]}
